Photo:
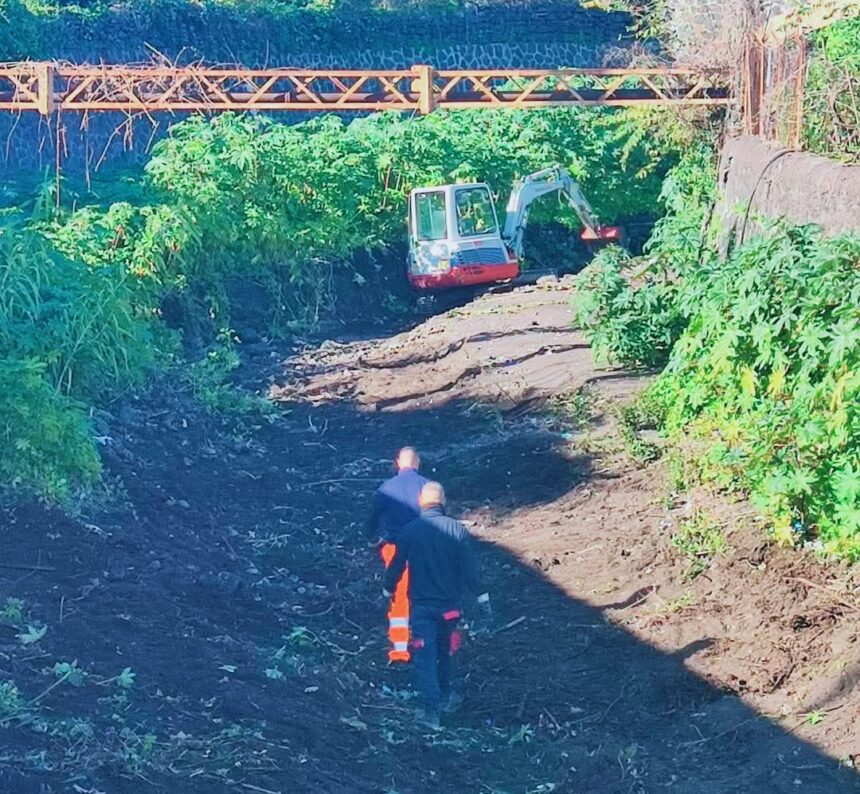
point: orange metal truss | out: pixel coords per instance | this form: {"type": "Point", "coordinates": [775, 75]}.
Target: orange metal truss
{"type": "Point", "coordinates": [46, 87]}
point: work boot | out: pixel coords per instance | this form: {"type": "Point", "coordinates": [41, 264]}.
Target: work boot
{"type": "Point", "coordinates": [429, 718]}
{"type": "Point", "coordinates": [452, 702]}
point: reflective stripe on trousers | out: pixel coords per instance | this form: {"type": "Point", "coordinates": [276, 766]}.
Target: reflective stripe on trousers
{"type": "Point", "coordinates": [398, 612]}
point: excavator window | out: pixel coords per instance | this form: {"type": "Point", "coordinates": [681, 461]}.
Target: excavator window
{"type": "Point", "coordinates": [430, 216]}
{"type": "Point", "coordinates": [475, 212]}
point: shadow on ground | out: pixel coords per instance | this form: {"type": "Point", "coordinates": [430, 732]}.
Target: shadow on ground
{"type": "Point", "coordinates": [585, 706]}
{"type": "Point", "coordinates": [558, 701]}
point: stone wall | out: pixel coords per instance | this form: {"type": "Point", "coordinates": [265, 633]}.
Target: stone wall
{"type": "Point", "coordinates": [257, 35]}
{"type": "Point", "coordinates": [541, 34]}
{"type": "Point", "coordinates": [758, 179]}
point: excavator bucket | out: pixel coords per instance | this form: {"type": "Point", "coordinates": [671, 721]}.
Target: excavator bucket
{"type": "Point", "coordinates": [603, 236]}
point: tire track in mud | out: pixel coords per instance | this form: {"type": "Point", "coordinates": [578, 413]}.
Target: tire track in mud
{"type": "Point", "coordinates": [454, 347]}
{"type": "Point", "coordinates": [469, 373]}
{"type": "Point", "coordinates": [490, 339]}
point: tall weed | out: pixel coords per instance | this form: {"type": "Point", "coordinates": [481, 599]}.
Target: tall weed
{"type": "Point", "coordinates": [68, 333]}
{"type": "Point", "coordinates": [761, 388]}
{"type": "Point", "coordinates": [45, 441]}
{"type": "Point", "coordinates": [766, 382]}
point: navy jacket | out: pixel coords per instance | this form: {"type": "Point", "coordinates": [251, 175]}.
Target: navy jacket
{"type": "Point", "coordinates": [395, 504]}
{"type": "Point", "coordinates": [443, 566]}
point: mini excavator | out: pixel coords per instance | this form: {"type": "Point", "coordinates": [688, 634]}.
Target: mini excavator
{"type": "Point", "coordinates": [455, 239]}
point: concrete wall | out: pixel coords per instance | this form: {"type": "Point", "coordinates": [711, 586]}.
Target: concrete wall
{"type": "Point", "coordinates": [763, 179]}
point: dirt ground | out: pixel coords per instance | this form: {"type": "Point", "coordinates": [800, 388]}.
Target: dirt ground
{"type": "Point", "coordinates": [230, 576]}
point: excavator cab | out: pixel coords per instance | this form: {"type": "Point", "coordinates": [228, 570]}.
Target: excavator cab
{"type": "Point", "coordinates": [455, 239]}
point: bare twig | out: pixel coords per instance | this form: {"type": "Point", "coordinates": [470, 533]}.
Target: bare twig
{"type": "Point", "coordinates": [721, 733]}
{"type": "Point", "coordinates": [609, 708]}
{"type": "Point", "coordinates": [510, 625]}
{"type": "Point", "coordinates": [53, 686]}
{"type": "Point", "coordinates": [339, 479]}
{"type": "Point", "coordinates": [252, 787]}
{"type": "Point", "coordinates": [831, 590]}
{"type": "Point", "coordinates": [17, 567]}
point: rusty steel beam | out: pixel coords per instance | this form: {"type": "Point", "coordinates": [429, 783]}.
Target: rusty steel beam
{"type": "Point", "coordinates": [44, 87]}
{"type": "Point", "coordinates": [535, 88]}
{"type": "Point", "coordinates": [26, 86]}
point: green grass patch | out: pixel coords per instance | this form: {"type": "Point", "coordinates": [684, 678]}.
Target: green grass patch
{"type": "Point", "coordinates": [699, 539]}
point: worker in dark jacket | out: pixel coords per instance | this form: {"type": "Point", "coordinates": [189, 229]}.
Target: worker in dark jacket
{"type": "Point", "coordinates": [443, 568]}
{"type": "Point", "coordinates": [395, 504]}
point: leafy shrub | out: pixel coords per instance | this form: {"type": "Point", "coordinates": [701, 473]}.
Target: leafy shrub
{"type": "Point", "coordinates": [831, 113]}
{"type": "Point", "coordinates": [45, 438]}
{"type": "Point", "coordinates": [67, 333]}
{"type": "Point", "coordinates": [699, 539]}
{"type": "Point", "coordinates": [761, 388]}
{"type": "Point", "coordinates": [79, 321]}
{"type": "Point", "coordinates": [766, 379]}
{"type": "Point", "coordinates": [10, 699]}
{"type": "Point", "coordinates": [635, 326]}
{"type": "Point", "coordinates": [207, 379]}
{"type": "Point", "coordinates": [12, 612]}
{"type": "Point", "coordinates": [263, 192]}
{"type": "Point", "coordinates": [636, 319]}
{"type": "Point", "coordinates": [643, 413]}
{"type": "Point", "coordinates": [682, 235]}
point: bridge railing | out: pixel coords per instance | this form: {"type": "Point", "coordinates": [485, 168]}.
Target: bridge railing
{"type": "Point", "coordinates": [46, 88]}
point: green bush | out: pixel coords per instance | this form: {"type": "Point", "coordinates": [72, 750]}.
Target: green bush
{"type": "Point", "coordinates": [764, 384]}
{"type": "Point", "coordinates": [10, 699]}
{"type": "Point", "coordinates": [81, 322]}
{"type": "Point", "coordinates": [699, 539]}
{"type": "Point", "coordinates": [45, 440]}
{"type": "Point", "coordinates": [831, 112]}
{"type": "Point", "coordinates": [632, 325]}
{"type": "Point", "coordinates": [264, 192]}
{"type": "Point", "coordinates": [632, 309]}
{"type": "Point", "coordinates": [68, 333]}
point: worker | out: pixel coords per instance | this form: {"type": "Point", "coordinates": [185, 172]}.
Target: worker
{"type": "Point", "coordinates": [443, 568]}
{"type": "Point", "coordinates": [395, 504]}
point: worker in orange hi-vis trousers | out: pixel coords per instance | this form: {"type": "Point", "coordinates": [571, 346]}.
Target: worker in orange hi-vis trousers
{"type": "Point", "coordinates": [398, 611]}
{"type": "Point", "coordinates": [395, 504]}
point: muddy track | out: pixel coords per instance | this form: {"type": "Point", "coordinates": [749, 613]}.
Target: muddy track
{"type": "Point", "coordinates": [234, 582]}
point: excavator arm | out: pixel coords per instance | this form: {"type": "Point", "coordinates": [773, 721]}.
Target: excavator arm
{"type": "Point", "coordinates": [533, 186]}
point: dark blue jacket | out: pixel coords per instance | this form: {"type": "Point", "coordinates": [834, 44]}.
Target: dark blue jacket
{"type": "Point", "coordinates": [443, 566]}
{"type": "Point", "coordinates": [395, 504]}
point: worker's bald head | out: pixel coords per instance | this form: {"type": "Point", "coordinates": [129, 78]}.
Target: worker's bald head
{"type": "Point", "coordinates": [432, 495]}
{"type": "Point", "coordinates": [408, 458]}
